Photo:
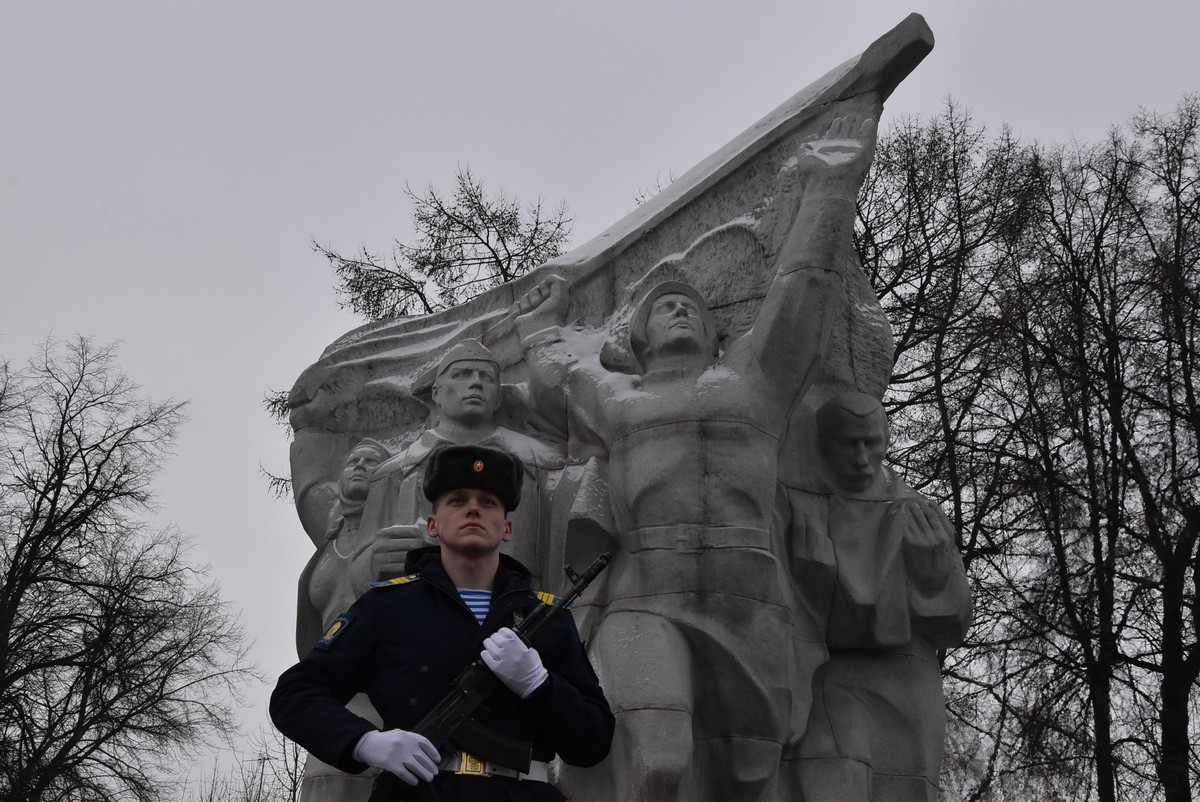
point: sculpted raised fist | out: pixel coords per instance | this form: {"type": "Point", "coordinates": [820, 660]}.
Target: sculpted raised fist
{"type": "Point", "coordinates": [543, 306]}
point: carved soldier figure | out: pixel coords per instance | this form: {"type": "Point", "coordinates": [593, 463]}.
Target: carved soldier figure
{"type": "Point", "coordinates": [380, 515]}
{"type": "Point", "coordinates": [327, 588]}
{"type": "Point", "coordinates": [465, 390]}
{"type": "Point", "coordinates": [894, 592]}
{"type": "Point", "coordinates": [698, 617]}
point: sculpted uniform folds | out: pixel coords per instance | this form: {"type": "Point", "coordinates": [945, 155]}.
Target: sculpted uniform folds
{"type": "Point", "coordinates": [881, 566]}
{"type": "Point", "coordinates": [697, 390]}
{"type": "Point", "coordinates": [698, 615]}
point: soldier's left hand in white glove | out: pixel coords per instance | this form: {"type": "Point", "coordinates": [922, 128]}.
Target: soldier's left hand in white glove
{"type": "Point", "coordinates": [516, 665]}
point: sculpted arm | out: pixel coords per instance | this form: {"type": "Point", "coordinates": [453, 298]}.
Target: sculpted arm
{"type": "Point", "coordinates": [939, 596]}
{"type": "Point", "coordinates": [793, 325]}
{"type": "Point", "coordinates": [548, 361]}
{"type": "Point", "coordinates": [570, 708]}
{"type": "Point", "coordinates": [383, 557]}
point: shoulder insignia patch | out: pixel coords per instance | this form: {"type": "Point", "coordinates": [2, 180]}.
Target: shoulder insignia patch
{"type": "Point", "coordinates": [335, 631]}
{"type": "Point", "coordinates": [400, 580]}
{"type": "Point", "coordinates": [548, 598]}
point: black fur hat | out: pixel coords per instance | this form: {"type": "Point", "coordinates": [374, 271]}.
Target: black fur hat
{"type": "Point", "coordinates": [475, 467]}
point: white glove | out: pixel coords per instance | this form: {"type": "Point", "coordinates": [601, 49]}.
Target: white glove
{"type": "Point", "coordinates": [515, 664]}
{"type": "Point", "coordinates": [409, 756]}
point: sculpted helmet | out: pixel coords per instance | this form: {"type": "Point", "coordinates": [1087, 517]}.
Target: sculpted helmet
{"type": "Point", "coordinates": [637, 323]}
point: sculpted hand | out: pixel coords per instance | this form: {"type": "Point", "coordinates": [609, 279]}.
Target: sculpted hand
{"type": "Point", "coordinates": [928, 538]}
{"type": "Point", "coordinates": [409, 756]}
{"type": "Point", "coordinates": [391, 547]}
{"type": "Point", "coordinates": [843, 153]}
{"type": "Point", "coordinates": [516, 665]}
{"type": "Point", "coordinates": [543, 306]}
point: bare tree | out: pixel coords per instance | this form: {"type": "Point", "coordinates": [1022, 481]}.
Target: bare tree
{"type": "Point", "coordinates": [465, 244]}
{"type": "Point", "coordinates": [660, 183]}
{"type": "Point", "coordinates": [1046, 305]}
{"type": "Point", "coordinates": [943, 215]}
{"type": "Point", "coordinates": [271, 771]}
{"type": "Point", "coordinates": [275, 402]}
{"type": "Point", "coordinates": [282, 763]}
{"type": "Point", "coordinates": [1110, 319]}
{"type": "Point", "coordinates": [114, 651]}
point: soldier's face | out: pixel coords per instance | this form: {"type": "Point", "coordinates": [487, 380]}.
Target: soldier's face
{"type": "Point", "coordinates": [469, 522]}
{"type": "Point", "coordinates": [853, 448]}
{"type": "Point", "coordinates": [355, 480]}
{"type": "Point", "coordinates": [468, 390]}
{"type": "Point", "coordinates": [675, 323]}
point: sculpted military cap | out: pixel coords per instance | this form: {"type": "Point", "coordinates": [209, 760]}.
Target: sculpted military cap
{"type": "Point", "coordinates": [477, 468]}
{"type": "Point", "coordinates": [462, 350]}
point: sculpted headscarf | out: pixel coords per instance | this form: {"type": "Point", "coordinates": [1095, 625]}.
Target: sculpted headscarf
{"type": "Point", "coordinates": [352, 507]}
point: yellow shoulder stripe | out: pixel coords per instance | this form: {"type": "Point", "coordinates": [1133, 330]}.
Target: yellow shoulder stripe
{"type": "Point", "coordinates": [547, 598]}
{"type": "Point", "coordinates": [400, 580]}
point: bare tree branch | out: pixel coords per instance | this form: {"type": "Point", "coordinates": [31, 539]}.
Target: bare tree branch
{"type": "Point", "coordinates": [114, 650]}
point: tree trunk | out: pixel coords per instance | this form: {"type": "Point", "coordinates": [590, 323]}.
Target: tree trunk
{"type": "Point", "coordinates": [1173, 717]}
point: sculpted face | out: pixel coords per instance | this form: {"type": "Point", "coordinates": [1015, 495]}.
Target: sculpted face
{"type": "Point", "coordinates": [355, 480]}
{"type": "Point", "coordinates": [853, 446]}
{"type": "Point", "coordinates": [675, 323]}
{"type": "Point", "coordinates": [468, 390]}
{"type": "Point", "coordinates": [470, 522]}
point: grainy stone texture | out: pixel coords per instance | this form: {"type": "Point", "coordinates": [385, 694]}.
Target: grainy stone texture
{"type": "Point", "coordinates": [693, 390]}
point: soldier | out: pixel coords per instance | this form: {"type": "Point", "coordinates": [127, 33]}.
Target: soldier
{"type": "Point", "coordinates": [465, 389]}
{"type": "Point", "coordinates": [701, 647]}
{"type": "Point", "coordinates": [405, 641]}
{"type": "Point", "coordinates": [894, 592]}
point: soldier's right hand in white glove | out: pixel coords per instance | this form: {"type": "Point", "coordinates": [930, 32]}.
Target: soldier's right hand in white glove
{"type": "Point", "coordinates": [515, 664]}
{"type": "Point", "coordinates": [409, 756]}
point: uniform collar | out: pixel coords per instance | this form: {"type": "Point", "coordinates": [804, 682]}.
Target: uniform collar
{"type": "Point", "coordinates": [427, 561]}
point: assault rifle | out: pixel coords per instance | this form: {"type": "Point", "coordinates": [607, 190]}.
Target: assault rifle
{"type": "Point", "coordinates": [451, 722]}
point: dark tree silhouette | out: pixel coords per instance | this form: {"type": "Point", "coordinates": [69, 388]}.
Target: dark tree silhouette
{"type": "Point", "coordinates": [1046, 306]}
{"type": "Point", "coordinates": [115, 653]}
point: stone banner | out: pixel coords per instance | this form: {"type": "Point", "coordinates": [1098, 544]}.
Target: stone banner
{"type": "Point", "coordinates": [696, 390]}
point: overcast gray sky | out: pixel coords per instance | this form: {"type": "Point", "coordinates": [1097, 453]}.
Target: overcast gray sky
{"type": "Point", "coordinates": [164, 165]}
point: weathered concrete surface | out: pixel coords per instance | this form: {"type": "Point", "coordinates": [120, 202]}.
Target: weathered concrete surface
{"type": "Point", "coordinates": [662, 382]}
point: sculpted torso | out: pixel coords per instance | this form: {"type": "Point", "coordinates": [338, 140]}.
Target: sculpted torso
{"type": "Point", "coordinates": [689, 449]}
{"type": "Point", "coordinates": [714, 622]}
{"type": "Point", "coordinates": [698, 602]}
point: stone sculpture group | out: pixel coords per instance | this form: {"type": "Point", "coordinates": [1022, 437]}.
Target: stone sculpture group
{"type": "Point", "coordinates": [698, 390]}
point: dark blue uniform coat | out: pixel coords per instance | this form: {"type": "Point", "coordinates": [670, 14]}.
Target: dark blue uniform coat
{"type": "Point", "coordinates": [404, 644]}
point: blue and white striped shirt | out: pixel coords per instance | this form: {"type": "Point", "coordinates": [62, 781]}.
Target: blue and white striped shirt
{"type": "Point", "coordinates": [477, 600]}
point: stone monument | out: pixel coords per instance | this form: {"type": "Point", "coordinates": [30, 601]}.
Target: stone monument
{"type": "Point", "coordinates": [696, 390]}
{"type": "Point", "coordinates": [877, 564]}
{"type": "Point", "coordinates": [328, 585]}
{"type": "Point", "coordinates": [465, 389]}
